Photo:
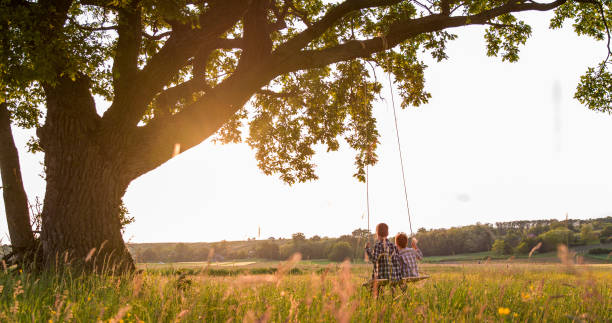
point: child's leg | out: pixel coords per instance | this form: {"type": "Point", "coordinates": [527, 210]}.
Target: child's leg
{"type": "Point", "coordinates": [403, 286]}
{"type": "Point", "coordinates": [379, 289]}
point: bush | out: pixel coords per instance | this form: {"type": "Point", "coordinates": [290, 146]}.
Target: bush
{"type": "Point", "coordinates": [263, 271]}
{"type": "Point", "coordinates": [340, 251]}
{"type": "Point", "coordinates": [587, 234]}
{"type": "Point", "coordinates": [224, 272]}
{"type": "Point", "coordinates": [599, 251]}
{"type": "Point", "coordinates": [526, 245]}
{"type": "Point", "coordinates": [523, 248]}
{"type": "Point", "coordinates": [555, 237]}
{"type": "Point", "coordinates": [606, 234]}
{"type": "Point", "coordinates": [499, 247]}
{"type": "Point", "coordinates": [295, 271]}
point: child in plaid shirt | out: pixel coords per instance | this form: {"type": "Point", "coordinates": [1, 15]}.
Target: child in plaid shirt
{"type": "Point", "coordinates": [385, 256]}
{"type": "Point", "coordinates": [408, 256]}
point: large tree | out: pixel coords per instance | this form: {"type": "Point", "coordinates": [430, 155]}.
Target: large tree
{"type": "Point", "coordinates": [179, 72]}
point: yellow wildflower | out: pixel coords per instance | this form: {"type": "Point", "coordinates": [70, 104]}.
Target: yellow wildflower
{"type": "Point", "coordinates": [515, 314]}
{"type": "Point", "coordinates": [525, 296]}
{"type": "Point", "coordinates": [503, 311]}
{"type": "Point", "coordinates": [88, 298]}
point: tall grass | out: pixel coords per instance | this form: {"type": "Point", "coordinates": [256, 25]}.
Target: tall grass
{"type": "Point", "coordinates": [463, 293]}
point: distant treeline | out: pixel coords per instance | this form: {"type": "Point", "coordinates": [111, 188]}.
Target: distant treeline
{"type": "Point", "coordinates": [516, 237]}
{"type": "Point", "coordinates": [337, 249]}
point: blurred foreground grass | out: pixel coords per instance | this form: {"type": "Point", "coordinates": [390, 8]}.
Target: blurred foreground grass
{"type": "Point", "coordinates": [313, 293]}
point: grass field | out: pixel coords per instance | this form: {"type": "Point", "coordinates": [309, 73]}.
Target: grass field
{"type": "Point", "coordinates": [482, 257]}
{"type": "Point", "coordinates": [314, 292]}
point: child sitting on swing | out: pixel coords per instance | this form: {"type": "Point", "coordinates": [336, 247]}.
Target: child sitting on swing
{"type": "Point", "coordinates": [408, 256]}
{"type": "Point", "coordinates": [385, 257]}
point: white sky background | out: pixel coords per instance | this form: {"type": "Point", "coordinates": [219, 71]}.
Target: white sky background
{"type": "Point", "coordinates": [497, 142]}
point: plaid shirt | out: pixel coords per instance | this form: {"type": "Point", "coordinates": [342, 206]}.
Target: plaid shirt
{"type": "Point", "coordinates": [385, 268]}
{"type": "Point", "coordinates": [409, 257]}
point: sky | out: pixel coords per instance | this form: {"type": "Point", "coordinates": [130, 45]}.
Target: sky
{"type": "Point", "coordinates": [497, 142]}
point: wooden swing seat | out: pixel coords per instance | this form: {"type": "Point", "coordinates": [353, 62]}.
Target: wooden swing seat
{"type": "Point", "coordinates": [414, 279]}
{"type": "Point", "coordinates": [406, 280]}
{"type": "Point", "coordinates": [380, 283]}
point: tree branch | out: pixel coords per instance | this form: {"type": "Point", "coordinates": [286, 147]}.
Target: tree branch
{"type": "Point", "coordinates": [171, 96]}
{"type": "Point", "coordinates": [125, 63]}
{"type": "Point", "coordinates": [274, 94]}
{"type": "Point", "coordinates": [445, 6]}
{"type": "Point", "coordinates": [329, 19]}
{"type": "Point", "coordinates": [229, 43]}
{"type": "Point", "coordinates": [156, 37]}
{"type": "Point", "coordinates": [153, 144]}
{"type": "Point", "coordinates": [183, 44]}
{"type": "Point", "coordinates": [398, 32]}
{"type": "Point", "coordinates": [257, 42]}
{"type": "Point", "coordinates": [99, 3]}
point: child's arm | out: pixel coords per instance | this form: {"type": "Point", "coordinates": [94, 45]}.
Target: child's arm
{"type": "Point", "coordinates": [418, 253]}
{"type": "Point", "coordinates": [369, 252]}
{"type": "Point", "coordinates": [377, 251]}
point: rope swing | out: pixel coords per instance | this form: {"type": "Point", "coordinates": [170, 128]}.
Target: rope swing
{"type": "Point", "coordinates": [375, 284]}
{"type": "Point", "coordinates": [399, 148]}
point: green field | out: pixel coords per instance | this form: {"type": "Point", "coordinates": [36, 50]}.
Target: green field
{"type": "Point", "coordinates": [314, 292]}
{"type": "Point", "coordinates": [547, 257]}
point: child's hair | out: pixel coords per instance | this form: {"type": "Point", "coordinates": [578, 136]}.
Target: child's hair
{"type": "Point", "coordinates": [401, 239]}
{"type": "Point", "coordinates": [382, 230]}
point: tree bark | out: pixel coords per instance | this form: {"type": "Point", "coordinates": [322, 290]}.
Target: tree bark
{"type": "Point", "coordinates": [81, 213]}
{"type": "Point", "coordinates": [15, 199]}
{"type": "Point", "coordinates": [80, 219]}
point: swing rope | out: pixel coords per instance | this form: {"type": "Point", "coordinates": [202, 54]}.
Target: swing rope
{"type": "Point", "coordinates": [399, 148]}
{"type": "Point", "coordinates": [368, 197]}
{"type": "Point", "coordinates": [367, 182]}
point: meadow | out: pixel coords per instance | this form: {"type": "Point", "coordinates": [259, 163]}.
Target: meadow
{"type": "Point", "coordinates": [311, 291]}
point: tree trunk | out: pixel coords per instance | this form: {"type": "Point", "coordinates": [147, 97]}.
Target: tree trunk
{"type": "Point", "coordinates": [15, 199]}
{"type": "Point", "coordinates": [85, 183]}
{"type": "Point", "coordinates": [81, 212]}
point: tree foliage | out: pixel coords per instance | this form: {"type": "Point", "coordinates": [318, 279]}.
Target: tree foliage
{"type": "Point", "coordinates": [268, 250]}
{"type": "Point", "coordinates": [499, 247]}
{"type": "Point", "coordinates": [553, 238]}
{"type": "Point", "coordinates": [587, 235]}
{"type": "Point", "coordinates": [309, 64]}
